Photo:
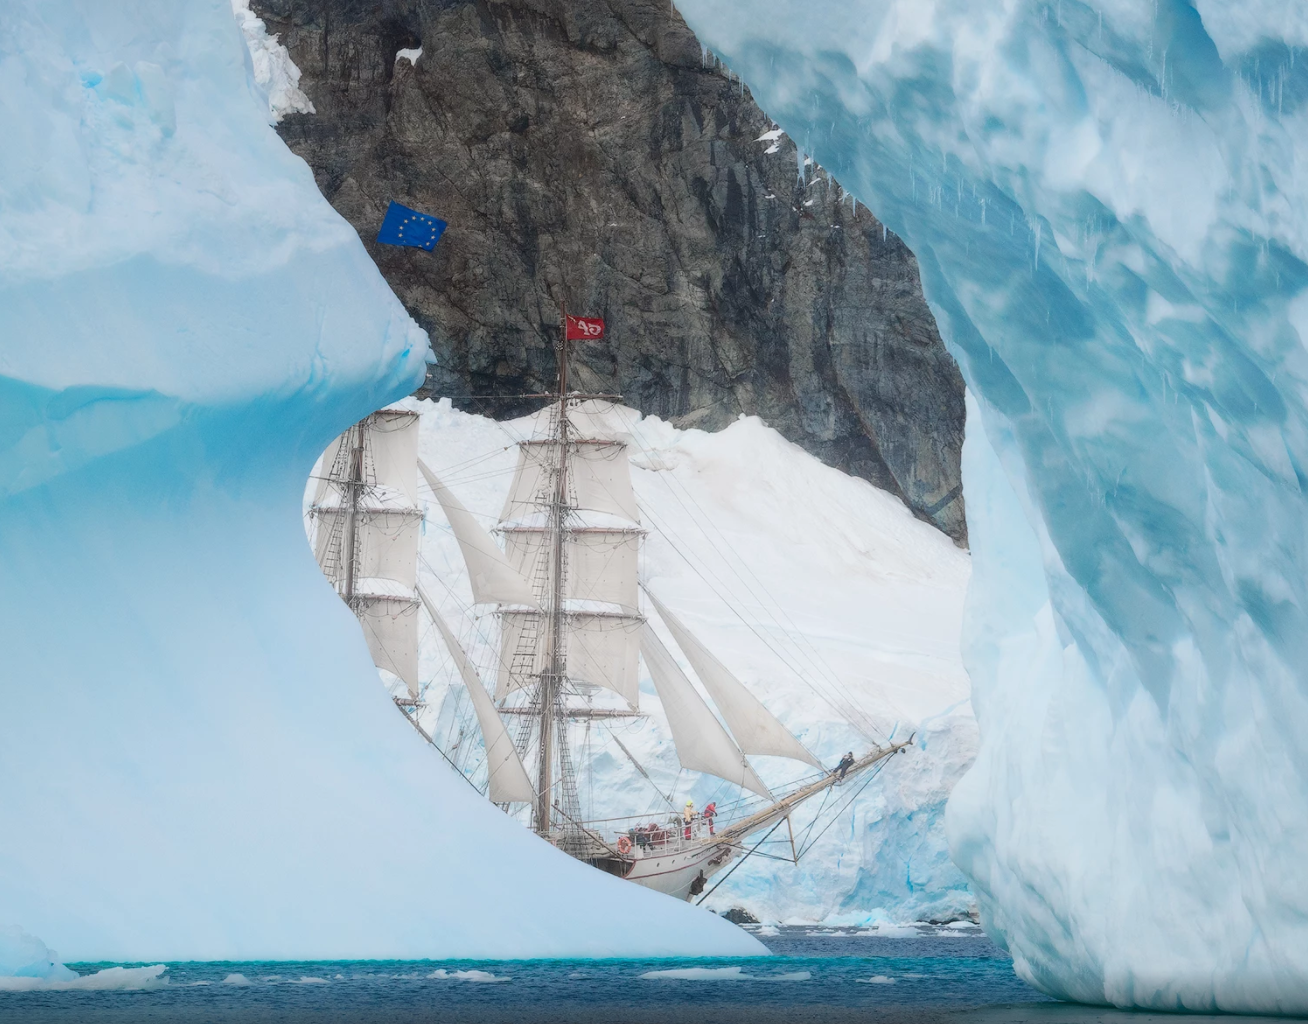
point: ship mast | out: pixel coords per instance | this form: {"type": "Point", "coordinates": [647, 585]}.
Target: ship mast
{"type": "Point", "coordinates": [354, 486]}
{"type": "Point", "coordinates": [551, 683]}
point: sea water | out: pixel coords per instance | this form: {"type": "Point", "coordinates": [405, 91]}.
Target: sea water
{"type": "Point", "coordinates": [917, 974]}
{"type": "Point", "coordinates": [816, 974]}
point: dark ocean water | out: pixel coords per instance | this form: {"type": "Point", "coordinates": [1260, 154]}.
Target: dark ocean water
{"type": "Point", "coordinates": [817, 975]}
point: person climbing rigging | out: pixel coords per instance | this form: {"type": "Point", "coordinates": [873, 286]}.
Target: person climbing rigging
{"type": "Point", "coordinates": [845, 764]}
{"type": "Point", "coordinates": [688, 816]}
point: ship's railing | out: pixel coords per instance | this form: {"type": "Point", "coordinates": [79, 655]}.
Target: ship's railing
{"type": "Point", "coordinates": [666, 837]}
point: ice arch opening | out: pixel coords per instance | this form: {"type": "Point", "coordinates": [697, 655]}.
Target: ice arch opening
{"type": "Point", "coordinates": [197, 760]}
{"type": "Point", "coordinates": [1109, 204]}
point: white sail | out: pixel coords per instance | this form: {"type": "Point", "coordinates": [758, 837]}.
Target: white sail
{"type": "Point", "coordinates": [755, 728]}
{"type": "Point", "coordinates": [493, 579]}
{"type": "Point", "coordinates": [531, 480]}
{"type": "Point", "coordinates": [702, 743]}
{"type": "Point", "coordinates": [390, 626]}
{"type": "Point", "coordinates": [601, 564]}
{"type": "Point", "coordinates": [328, 491]}
{"type": "Point", "coordinates": [599, 476]}
{"type": "Point", "coordinates": [386, 544]}
{"type": "Point", "coordinates": [393, 449]}
{"type": "Point", "coordinates": [600, 650]}
{"type": "Point", "coordinates": [507, 777]}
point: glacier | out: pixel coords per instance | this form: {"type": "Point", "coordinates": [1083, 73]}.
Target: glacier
{"type": "Point", "coordinates": [1109, 205]}
{"type": "Point", "coordinates": [198, 762]}
{"type": "Point", "coordinates": [751, 537]}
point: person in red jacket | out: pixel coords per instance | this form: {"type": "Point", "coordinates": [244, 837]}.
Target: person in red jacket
{"type": "Point", "coordinates": [710, 810]}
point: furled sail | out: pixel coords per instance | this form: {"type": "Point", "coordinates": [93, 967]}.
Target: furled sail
{"type": "Point", "coordinates": [601, 564]}
{"type": "Point", "coordinates": [599, 477]}
{"type": "Point", "coordinates": [600, 650]}
{"type": "Point", "coordinates": [494, 580]}
{"type": "Point", "coordinates": [702, 743]}
{"type": "Point", "coordinates": [508, 778]}
{"type": "Point", "coordinates": [754, 727]}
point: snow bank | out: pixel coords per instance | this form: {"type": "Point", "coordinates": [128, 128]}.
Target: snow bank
{"type": "Point", "coordinates": [274, 71]}
{"type": "Point", "coordinates": [1109, 205]}
{"type": "Point", "coordinates": [208, 768]}
{"type": "Point", "coordinates": [836, 583]}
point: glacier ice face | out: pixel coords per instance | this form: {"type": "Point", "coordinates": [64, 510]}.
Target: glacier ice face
{"type": "Point", "coordinates": [752, 537]}
{"type": "Point", "coordinates": [197, 760]}
{"type": "Point", "coordinates": [1109, 205]}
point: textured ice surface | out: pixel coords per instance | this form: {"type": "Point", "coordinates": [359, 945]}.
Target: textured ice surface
{"type": "Point", "coordinates": [1109, 204]}
{"type": "Point", "coordinates": [197, 760]}
{"type": "Point", "coordinates": [841, 582]}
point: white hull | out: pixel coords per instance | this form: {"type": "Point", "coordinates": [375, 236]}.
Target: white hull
{"type": "Point", "coordinates": [675, 872]}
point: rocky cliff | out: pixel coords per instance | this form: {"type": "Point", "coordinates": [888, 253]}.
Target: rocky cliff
{"type": "Point", "coordinates": [590, 151]}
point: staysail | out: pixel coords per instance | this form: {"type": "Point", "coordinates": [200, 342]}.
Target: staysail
{"type": "Point", "coordinates": [755, 728]}
{"type": "Point", "coordinates": [507, 777]}
{"type": "Point", "coordinates": [702, 743]}
{"type": "Point", "coordinates": [494, 580]}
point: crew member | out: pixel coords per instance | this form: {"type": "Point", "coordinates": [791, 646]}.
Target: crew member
{"type": "Point", "coordinates": [688, 816]}
{"type": "Point", "coordinates": [710, 811]}
{"type": "Point", "coordinates": [845, 764]}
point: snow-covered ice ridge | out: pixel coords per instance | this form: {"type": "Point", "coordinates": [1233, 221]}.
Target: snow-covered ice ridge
{"type": "Point", "coordinates": [1109, 204]}
{"type": "Point", "coordinates": [851, 590]}
{"type": "Point", "coordinates": [197, 761]}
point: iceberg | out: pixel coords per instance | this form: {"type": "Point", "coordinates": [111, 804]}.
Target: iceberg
{"type": "Point", "coordinates": [198, 762]}
{"type": "Point", "coordinates": [1109, 205]}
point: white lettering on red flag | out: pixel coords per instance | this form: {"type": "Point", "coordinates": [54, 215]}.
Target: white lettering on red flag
{"type": "Point", "coordinates": [585, 328]}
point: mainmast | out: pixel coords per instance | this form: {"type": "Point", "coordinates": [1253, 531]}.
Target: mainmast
{"type": "Point", "coordinates": [551, 683]}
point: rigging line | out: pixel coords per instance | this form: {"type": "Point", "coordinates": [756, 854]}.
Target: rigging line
{"type": "Point", "coordinates": [836, 817]}
{"type": "Point", "coordinates": [852, 715]}
{"type": "Point", "coordinates": [816, 658]}
{"type": "Point", "coordinates": [789, 628]}
{"type": "Point", "coordinates": [817, 817]}
{"type": "Point", "coordinates": [738, 863]}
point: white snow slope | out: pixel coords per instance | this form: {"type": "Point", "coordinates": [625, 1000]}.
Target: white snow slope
{"type": "Point", "coordinates": [836, 584]}
{"type": "Point", "coordinates": [196, 759]}
{"type": "Point", "coordinates": [1109, 204]}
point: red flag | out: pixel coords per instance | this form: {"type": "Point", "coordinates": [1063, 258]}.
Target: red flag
{"type": "Point", "coordinates": [585, 328]}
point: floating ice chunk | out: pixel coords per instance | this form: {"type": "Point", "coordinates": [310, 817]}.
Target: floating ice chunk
{"type": "Point", "coordinates": [111, 979]}
{"type": "Point", "coordinates": [876, 979]}
{"type": "Point", "coordinates": [721, 974]}
{"type": "Point", "coordinates": [472, 974]}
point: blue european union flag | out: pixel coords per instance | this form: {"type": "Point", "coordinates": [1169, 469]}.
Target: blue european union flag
{"type": "Point", "coordinates": [402, 226]}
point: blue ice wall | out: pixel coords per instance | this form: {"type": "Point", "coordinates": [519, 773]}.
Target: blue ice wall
{"type": "Point", "coordinates": [1109, 205]}
{"type": "Point", "coordinates": [196, 758]}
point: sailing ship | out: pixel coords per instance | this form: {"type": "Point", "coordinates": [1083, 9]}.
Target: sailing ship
{"type": "Point", "coordinates": [565, 589]}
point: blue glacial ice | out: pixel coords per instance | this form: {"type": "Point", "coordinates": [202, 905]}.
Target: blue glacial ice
{"type": "Point", "coordinates": [197, 761]}
{"type": "Point", "coordinates": [1109, 204]}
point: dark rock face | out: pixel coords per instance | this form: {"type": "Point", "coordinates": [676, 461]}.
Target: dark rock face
{"type": "Point", "coordinates": [588, 152]}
